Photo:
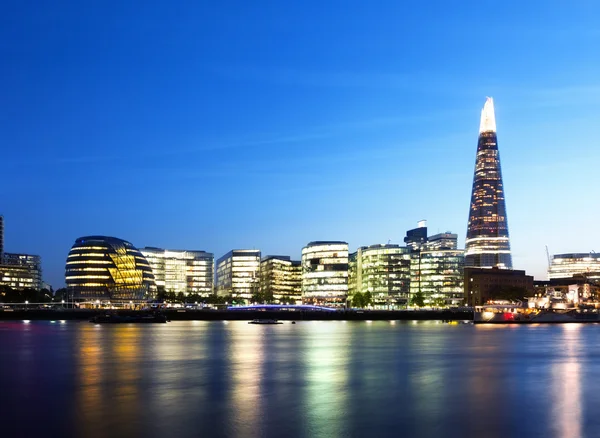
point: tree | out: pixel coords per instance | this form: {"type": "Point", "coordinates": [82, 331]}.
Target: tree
{"type": "Point", "coordinates": [358, 300]}
{"type": "Point", "coordinates": [367, 299]}
{"type": "Point", "coordinates": [418, 299]}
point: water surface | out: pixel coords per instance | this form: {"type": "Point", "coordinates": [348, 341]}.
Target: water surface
{"type": "Point", "coordinates": [323, 379]}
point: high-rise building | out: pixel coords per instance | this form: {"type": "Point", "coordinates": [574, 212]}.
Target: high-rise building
{"type": "Point", "coordinates": [416, 237]}
{"type": "Point", "coordinates": [445, 240]}
{"type": "Point", "coordinates": [1, 238]}
{"type": "Point", "coordinates": [29, 274]}
{"type": "Point", "coordinates": [281, 280]}
{"type": "Point", "coordinates": [108, 269]}
{"type": "Point", "coordinates": [437, 275]}
{"type": "Point", "coordinates": [383, 271]}
{"type": "Point", "coordinates": [238, 274]}
{"type": "Point", "coordinates": [325, 273]}
{"type": "Point", "coordinates": [487, 244]}
{"type": "Point", "coordinates": [568, 265]}
{"type": "Point", "coordinates": [181, 271]}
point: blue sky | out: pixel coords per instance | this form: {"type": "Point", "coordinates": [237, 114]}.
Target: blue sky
{"type": "Point", "coordinates": [236, 125]}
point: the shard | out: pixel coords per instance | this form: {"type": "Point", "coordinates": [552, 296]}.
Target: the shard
{"type": "Point", "coordinates": [487, 244]}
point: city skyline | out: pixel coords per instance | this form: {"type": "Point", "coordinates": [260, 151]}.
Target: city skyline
{"type": "Point", "coordinates": [218, 127]}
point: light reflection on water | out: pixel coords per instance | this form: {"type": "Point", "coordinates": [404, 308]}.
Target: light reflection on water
{"type": "Point", "coordinates": [309, 379]}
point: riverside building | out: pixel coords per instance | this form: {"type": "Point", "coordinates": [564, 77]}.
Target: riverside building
{"type": "Point", "coordinates": [181, 271]}
{"type": "Point", "coordinates": [569, 265]}
{"type": "Point", "coordinates": [19, 271]}
{"type": "Point", "coordinates": [238, 275]}
{"type": "Point", "coordinates": [325, 273]}
{"type": "Point", "coordinates": [487, 244]}
{"type": "Point", "coordinates": [281, 280]}
{"type": "Point", "coordinates": [107, 269]}
{"type": "Point", "coordinates": [437, 276]}
{"type": "Point", "coordinates": [384, 272]}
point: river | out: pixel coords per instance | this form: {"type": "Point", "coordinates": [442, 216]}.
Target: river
{"type": "Point", "coordinates": [310, 379]}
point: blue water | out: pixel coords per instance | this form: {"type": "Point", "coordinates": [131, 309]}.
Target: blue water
{"type": "Point", "coordinates": [322, 379]}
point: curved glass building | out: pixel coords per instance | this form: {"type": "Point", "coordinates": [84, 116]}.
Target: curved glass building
{"type": "Point", "coordinates": [325, 273]}
{"type": "Point", "coordinates": [487, 244]}
{"type": "Point", "coordinates": [107, 269]}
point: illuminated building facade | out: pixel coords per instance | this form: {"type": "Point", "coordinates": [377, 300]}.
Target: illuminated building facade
{"type": "Point", "coordinates": [281, 280]}
{"type": "Point", "coordinates": [382, 270]}
{"type": "Point", "coordinates": [325, 273]}
{"type": "Point", "coordinates": [1, 239]}
{"type": "Point", "coordinates": [22, 271]}
{"type": "Point", "coordinates": [484, 284]}
{"type": "Point", "coordinates": [568, 265]}
{"type": "Point", "coordinates": [445, 240]}
{"type": "Point", "coordinates": [108, 269]}
{"type": "Point", "coordinates": [178, 271]}
{"type": "Point", "coordinates": [438, 276]}
{"type": "Point", "coordinates": [238, 274]}
{"type": "Point", "coordinates": [487, 244]}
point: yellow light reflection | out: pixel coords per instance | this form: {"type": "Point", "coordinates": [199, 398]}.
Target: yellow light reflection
{"type": "Point", "coordinates": [566, 386]}
{"type": "Point", "coordinates": [247, 356]}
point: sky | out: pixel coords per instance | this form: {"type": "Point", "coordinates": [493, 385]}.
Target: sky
{"type": "Point", "coordinates": [236, 124]}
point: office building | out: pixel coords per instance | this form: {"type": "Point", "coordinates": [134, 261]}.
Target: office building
{"type": "Point", "coordinates": [487, 244]}
{"type": "Point", "coordinates": [484, 284]}
{"type": "Point", "coordinates": [181, 271]}
{"type": "Point", "coordinates": [568, 265]}
{"type": "Point", "coordinates": [384, 272]}
{"type": "Point", "coordinates": [325, 273]}
{"type": "Point", "coordinates": [238, 275]}
{"type": "Point", "coordinates": [108, 269]}
{"type": "Point", "coordinates": [445, 240]}
{"type": "Point", "coordinates": [1, 238]}
{"type": "Point", "coordinates": [281, 280]}
{"type": "Point", "coordinates": [22, 271]}
{"type": "Point", "coordinates": [417, 237]}
{"type": "Point", "coordinates": [437, 277]}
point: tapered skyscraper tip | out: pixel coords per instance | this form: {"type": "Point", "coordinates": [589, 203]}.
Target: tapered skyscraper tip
{"type": "Point", "coordinates": [488, 119]}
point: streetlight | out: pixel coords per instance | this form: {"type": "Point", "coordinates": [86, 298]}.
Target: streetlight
{"type": "Point", "coordinates": [26, 302]}
{"type": "Point", "coordinates": [131, 304]}
{"type": "Point", "coordinates": [63, 303]}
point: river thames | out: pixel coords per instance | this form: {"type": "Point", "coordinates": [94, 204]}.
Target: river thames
{"type": "Point", "coordinates": [321, 379]}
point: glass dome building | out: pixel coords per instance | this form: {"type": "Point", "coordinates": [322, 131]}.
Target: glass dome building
{"type": "Point", "coordinates": [107, 269]}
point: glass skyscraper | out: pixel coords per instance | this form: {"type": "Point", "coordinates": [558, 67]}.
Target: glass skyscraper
{"type": "Point", "coordinates": [487, 244]}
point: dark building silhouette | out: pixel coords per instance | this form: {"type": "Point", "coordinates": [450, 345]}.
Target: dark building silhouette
{"type": "Point", "coordinates": [487, 244]}
{"type": "Point", "coordinates": [482, 285]}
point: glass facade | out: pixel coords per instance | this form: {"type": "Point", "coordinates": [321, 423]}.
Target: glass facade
{"type": "Point", "coordinates": [487, 244]}
{"type": "Point", "coordinates": [416, 237]}
{"type": "Point", "coordinates": [568, 265]}
{"type": "Point", "coordinates": [281, 280]}
{"type": "Point", "coordinates": [445, 240]}
{"type": "Point", "coordinates": [238, 274]}
{"type": "Point", "coordinates": [31, 277]}
{"type": "Point", "coordinates": [108, 269]}
{"type": "Point", "coordinates": [439, 276]}
{"type": "Point", "coordinates": [325, 273]}
{"type": "Point", "coordinates": [1, 239]}
{"type": "Point", "coordinates": [188, 272]}
{"type": "Point", "coordinates": [382, 270]}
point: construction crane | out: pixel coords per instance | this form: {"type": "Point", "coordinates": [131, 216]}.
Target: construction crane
{"type": "Point", "coordinates": [548, 257]}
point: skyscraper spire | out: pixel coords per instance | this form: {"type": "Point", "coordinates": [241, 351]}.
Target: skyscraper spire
{"type": "Point", "coordinates": [487, 244]}
{"type": "Point", "coordinates": [488, 119]}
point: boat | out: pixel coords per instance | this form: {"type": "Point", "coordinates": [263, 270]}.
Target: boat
{"type": "Point", "coordinates": [264, 321]}
{"type": "Point", "coordinates": [517, 314]}
{"type": "Point", "coordinates": [113, 318]}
